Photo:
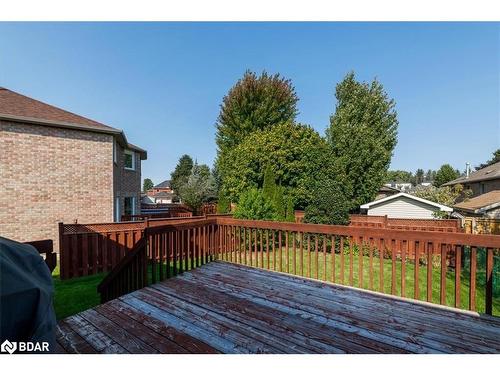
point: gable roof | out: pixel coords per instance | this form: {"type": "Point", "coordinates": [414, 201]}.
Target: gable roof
{"type": "Point", "coordinates": [491, 172]}
{"type": "Point", "coordinates": [412, 197]}
{"type": "Point", "coordinates": [481, 203]}
{"type": "Point", "coordinates": [20, 108]}
{"type": "Point", "coordinates": [164, 184]}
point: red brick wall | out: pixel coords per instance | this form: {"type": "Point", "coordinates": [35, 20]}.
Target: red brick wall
{"type": "Point", "coordinates": [48, 175]}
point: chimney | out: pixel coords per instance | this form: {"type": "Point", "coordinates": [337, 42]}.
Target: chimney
{"type": "Point", "coordinates": [467, 170]}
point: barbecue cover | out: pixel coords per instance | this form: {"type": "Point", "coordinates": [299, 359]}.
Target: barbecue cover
{"type": "Point", "coordinates": [26, 294]}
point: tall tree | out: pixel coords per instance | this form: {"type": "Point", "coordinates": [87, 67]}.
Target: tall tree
{"type": "Point", "coordinates": [181, 172]}
{"type": "Point", "coordinates": [398, 176]}
{"type": "Point", "coordinates": [363, 134]}
{"type": "Point", "coordinates": [254, 103]}
{"type": "Point", "coordinates": [296, 154]}
{"type": "Point", "coordinates": [494, 159]}
{"type": "Point", "coordinates": [147, 184]}
{"type": "Point", "coordinates": [445, 174]}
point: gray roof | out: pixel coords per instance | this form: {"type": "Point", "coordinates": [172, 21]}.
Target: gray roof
{"type": "Point", "coordinates": [164, 184]}
{"type": "Point", "coordinates": [491, 172]}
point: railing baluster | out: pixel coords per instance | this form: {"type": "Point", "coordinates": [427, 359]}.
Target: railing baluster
{"type": "Point", "coordinates": [274, 251]}
{"type": "Point", "coordinates": [360, 243]}
{"type": "Point", "coordinates": [489, 281]}
{"type": "Point", "coordinates": [458, 274]}
{"type": "Point", "coordinates": [309, 255]}
{"type": "Point", "coordinates": [404, 245]}
{"type": "Point", "coordinates": [294, 250]}
{"type": "Point", "coordinates": [442, 295]}
{"type": "Point", "coordinates": [267, 248]}
{"type": "Point", "coordinates": [324, 257]}
{"type": "Point", "coordinates": [280, 251]}
{"type": "Point", "coordinates": [472, 288]}
{"type": "Point", "coordinates": [394, 244]}
{"type": "Point", "coordinates": [287, 259]}
{"type": "Point", "coordinates": [261, 249]}
{"type": "Point", "coordinates": [370, 263]}
{"type": "Point", "coordinates": [301, 260]}
{"type": "Point", "coordinates": [255, 248]}
{"type": "Point", "coordinates": [430, 250]}
{"type": "Point", "coordinates": [351, 260]}
{"type": "Point", "coordinates": [381, 250]}
{"type": "Point", "coordinates": [342, 276]}
{"type": "Point", "coordinates": [332, 252]}
{"type": "Point", "coordinates": [160, 255]}
{"type": "Point", "coordinates": [416, 275]}
{"type": "Point", "coordinates": [316, 274]}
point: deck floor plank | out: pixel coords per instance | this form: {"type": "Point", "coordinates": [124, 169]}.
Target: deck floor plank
{"type": "Point", "coordinates": [360, 313]}
{"type": "Point", "coordinates": [229, 308]}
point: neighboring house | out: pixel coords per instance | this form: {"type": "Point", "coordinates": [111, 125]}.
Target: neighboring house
{"type": "Point", "coordinates": [484, 205]}
{"type": "Point", "coordinates": [56, 166]}
{"type": "Point", "coordinates": [481, 181]}
{"type": "Point", "coordinates": [401, 186]}
{"type": "Point", "coordinates": [386, 191]}
{"type": "Point", "coordinates": [164, 187]}
{"type": "Point", "coordinates": [162, 197]}
{"type": "Point", "coordinates": [404, 206]}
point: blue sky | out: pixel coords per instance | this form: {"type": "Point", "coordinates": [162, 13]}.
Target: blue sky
{"type": "Point", "coordinates": [163, 82]}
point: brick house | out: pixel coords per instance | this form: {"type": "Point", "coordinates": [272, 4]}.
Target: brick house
{"type": "Point", "coordinates": [57, 166]}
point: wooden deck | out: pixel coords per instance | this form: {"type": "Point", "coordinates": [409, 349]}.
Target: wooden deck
{"type": "Point", "coordinates": [228, 308]}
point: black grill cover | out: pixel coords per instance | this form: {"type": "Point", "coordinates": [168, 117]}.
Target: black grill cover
{"type": "Point", "coordinates": [26, 294]}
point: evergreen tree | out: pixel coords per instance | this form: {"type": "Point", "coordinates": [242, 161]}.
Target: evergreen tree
{"type": "Point", "coordinates": [223, 204]}
{"type": "Point", "coordinates": [363, 134]}
{"type": "Point", "coordinates": [445, 174]}
{"type": "Point", "coordinates": [290, 212]}
{"type": "Point", "coordinates": [181, 172]}
{"type": "Point", "coordinates": [269, 184]}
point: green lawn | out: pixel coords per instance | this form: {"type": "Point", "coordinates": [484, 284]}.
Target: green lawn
{"type": "Point", "coordinates": [75, 295]}
{"type": "Point", "coordinates": [387, 272]}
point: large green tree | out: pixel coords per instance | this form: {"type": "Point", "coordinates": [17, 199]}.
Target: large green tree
{"type": "Point", "coordinates": [445, 174]}
{"type": "Point", "coordinates": [147, 184]}
{"type": "Point", "coordinates": [398, 176]}
{"type": "Point", "coordinates": [254, 103]}
{"type": "Point", "coordinates": [181, 172]}
{"type": "Point", "coordinates": [363, 134]}
{"type": "Point", "coordinates": [295, 153]}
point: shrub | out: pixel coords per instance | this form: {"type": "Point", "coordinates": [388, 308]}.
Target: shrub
{"type": "Point", "coordinates": [254, 205]}
{"type": "Point", "coordinates": [329, 204]}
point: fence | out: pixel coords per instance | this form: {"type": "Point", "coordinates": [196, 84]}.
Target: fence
{"type": "Point", "coordinates": [437, 225]}
{"type": "Point", "coordinates": [87, 249]}
{"type": "Point", "coordinates": [377, 259]}
{"type": "Point", "coordinates": [479, 225]}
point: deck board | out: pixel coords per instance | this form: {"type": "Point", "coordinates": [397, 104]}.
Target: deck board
{"type": "Point", "coordinates": [229, 308]}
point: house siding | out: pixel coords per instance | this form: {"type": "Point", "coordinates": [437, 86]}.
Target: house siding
{"type": "Point", "coordinates": [50, 175]}
{"type": "Point", "coordinates": [403, 207]}
{"type": "Point", "coordinates": [487, 186]}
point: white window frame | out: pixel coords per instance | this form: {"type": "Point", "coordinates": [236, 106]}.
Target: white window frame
{"type": "Point", "coordinates": [131, 153]}
{"type": "Point", "coordinates": [117, 210]}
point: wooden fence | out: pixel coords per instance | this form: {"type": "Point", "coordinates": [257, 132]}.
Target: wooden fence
{"type": "Point", "coordinates": [480, 225]}
{"type": "Point", "coordinates": [87, 249]}
{"type": "Point", "coordinates": [433, 225]}
{"type": "Point", "coordinates": [377, 259]}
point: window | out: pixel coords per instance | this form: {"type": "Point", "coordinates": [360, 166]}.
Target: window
{"type": "Point", "coordinates": [481, 188]}
{"type": "Point", "coordinates": [117, 210]}
{"type": "Point", "coordinates": [129, 159]}
{"type": "Point", "coordinates": [129, 206]}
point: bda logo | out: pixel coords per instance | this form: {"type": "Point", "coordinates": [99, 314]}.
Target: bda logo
{"type": "Point", "coordinates": [8, 346]}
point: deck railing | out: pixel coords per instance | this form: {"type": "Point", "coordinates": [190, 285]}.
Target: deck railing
{"type": "Point", "coordinates": [452, 269]}
{"type": "Point", "coordinates": [163, 251]}
{"type": "Point", "coordinates": [87, 249]}
{"type": "Point", "coordinates": [438, 267]}
{"type": "Point", "coordinates": [46, 249]}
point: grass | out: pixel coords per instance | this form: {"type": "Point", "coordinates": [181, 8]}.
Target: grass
{"type": "Point", "coordinates": [310, 263]}
{"type": "Point", "coordinates": [75, 295]}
